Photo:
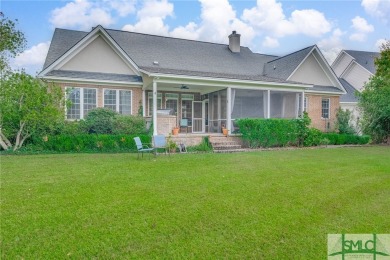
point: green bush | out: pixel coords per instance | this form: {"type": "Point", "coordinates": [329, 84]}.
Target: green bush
{"type": "Point", "coordinates": [270, 132]}
{"type": "Point", "coordinates": [87, 142]}
{"type": "Point", "coordinates": [204, 146]}
{"type": "Point", "coordinates": [129, 125]}
{"type": "Point", "coordinates": [340, 139]}
{"type": "Point", "coordinates": [314, 137]}
{"type": "Point", "coordinates": [100, 121]}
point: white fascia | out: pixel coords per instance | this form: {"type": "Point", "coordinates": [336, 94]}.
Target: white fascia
{"type": "Point", "coordinates": [91, 81]}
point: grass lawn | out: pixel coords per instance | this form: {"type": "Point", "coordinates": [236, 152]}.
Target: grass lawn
{"type": "Point", "coordinates": [263, 205]}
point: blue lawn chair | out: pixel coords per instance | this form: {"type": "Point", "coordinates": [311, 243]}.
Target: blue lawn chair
{"type": "Point", "coordinates": [159, 142]}
{"type": "Point", "coordinates": [142, 148]}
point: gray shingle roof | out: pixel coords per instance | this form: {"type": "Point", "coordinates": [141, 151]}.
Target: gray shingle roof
{"type": "Point", "coordinates": [61, 42]}
{"type": "Point", "coordinates": [188, 55]}
{"type": "Point", "coordinates": [365, 59]}
{"type": "Point", "coordinates": [350, 96]}
{"type": "Point", "coordinates": [318, 88]}
{"type": "Point", "coordinates": [94, 76]}
{"type": "Point", "coordinates": [283, 67]}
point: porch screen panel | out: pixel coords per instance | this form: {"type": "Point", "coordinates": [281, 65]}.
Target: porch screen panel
{"type": "Point", "coordinates": [284, 104]}
{"type": "Point", "coordinates": [217, 111]}
{"type": "Point", "coordinates": [248, 104]}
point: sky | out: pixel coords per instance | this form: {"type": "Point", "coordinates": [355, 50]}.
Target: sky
{"type": "Point", "coordinates": [274, 27]}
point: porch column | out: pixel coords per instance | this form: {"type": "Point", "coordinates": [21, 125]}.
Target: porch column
{"type": "Point", "coordinates": [297, 112]}
{"type": "Point", "coordinates": [303, 103]}
{"type": "Point", "coordinates": [229, 109]}
{"type": "Point", "coordinates": [154, 107]}
{"type": "Point", "coordinates": [143, 103]}
{"type": "Point", "coordinates": [268, 103]}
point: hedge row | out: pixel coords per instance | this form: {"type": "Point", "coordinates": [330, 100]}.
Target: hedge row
{"type": "Point", "coordinates": [269, 132]}
{"type": "Point", "coordinates": [339, 139]}
{"type": "Point", "coordinates": [291, 132]}
{"type": "Point", "coordinates": [87, 142]}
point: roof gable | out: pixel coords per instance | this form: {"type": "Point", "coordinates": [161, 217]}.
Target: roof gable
{"type": "Point", "coordinates": [365, 59]}
{"type": "Point", "coordinates": [98, 56]}
{"type": "Point", "coordinates": [284, 66]}
{"type": "Point", "coordinates": [81, 44]}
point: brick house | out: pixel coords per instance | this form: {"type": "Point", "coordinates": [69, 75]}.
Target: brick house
{"type": "Point", "coordinates": [206, 85]}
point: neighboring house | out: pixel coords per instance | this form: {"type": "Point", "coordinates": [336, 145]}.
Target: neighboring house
{"type": "Point", "coordinates": [354, 68]}
{"type": "Point", "coordinates": [209, 85]}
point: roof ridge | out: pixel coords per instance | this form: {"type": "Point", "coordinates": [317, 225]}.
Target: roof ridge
{"type": "Point", "coordinates": [175, 38]}
{"type": "Point", "coordinates": [312, 46]}
{"type": "Point", "coordinates": [363, 51]}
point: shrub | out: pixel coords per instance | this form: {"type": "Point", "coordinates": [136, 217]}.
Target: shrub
{"type": "Point", "coordinates": [129, 125]}
{"type": "Point", "coordinates": [314, 137]}
{"type": "Point", "coordinates": [204, 146]}
{"type": "Point", "coordinates": [100, 121]}
{"type": "Point", "coordinates": [87, 142]}
{"type": "Point", "coordinates": [343, 122]}
{"type": "Point", "coordinates": [340, 139]}
{"type": "Point", "coordinates": [270, 132]}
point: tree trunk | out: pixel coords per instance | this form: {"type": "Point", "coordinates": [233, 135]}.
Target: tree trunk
{"type": "Point", "coordinates": [18, 136]}
{"type": "Point", "coordinates": [4, 142]}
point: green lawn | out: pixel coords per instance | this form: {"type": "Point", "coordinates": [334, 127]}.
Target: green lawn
{"type": "Point", "coordinates": [263, 205]}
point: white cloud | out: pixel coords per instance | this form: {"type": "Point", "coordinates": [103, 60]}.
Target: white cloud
{"type": "Point", "coordinates": [151, 18]}
{"type": "Point", "coordinates": [332, 46]}
{"type": "Point", "coordinates": [360, 24]}
{"type": "Point", "coordinates": [379, 43]}
{"type": "Point", "coordinates": [268, 16]}
{"type": "Point", "coordinates": [270, 42]}
{"type": "Point", "coordinates": [80, 14]}
{"type": "Point", "coordinates": [122, 7]}
{"type": "Point", "coordinates": [34, 56]}
{"type": "Point", "coordinates": [378, 8]}
{"type": "Point", "coordinates": [361, 27]}
{"type": "Point", "coordinates": [85, 14]}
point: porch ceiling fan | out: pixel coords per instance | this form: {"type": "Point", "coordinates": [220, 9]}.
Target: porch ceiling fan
{"type": "Point", "coordinates": [183, 87]}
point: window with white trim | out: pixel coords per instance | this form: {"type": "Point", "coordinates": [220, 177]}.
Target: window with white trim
{"type": "Point", "coordinates": [82, 100]}
{"type": "Point", "coordinates": [118, 100]}
{"type": "Point", "coordinates": [305, 100]}
{"type": "Point", "coordinates": [150, 102]}
{"type": "Point", "coordinates": [172, 101]}
{"type": "Point", "coordinates": [325, 108]}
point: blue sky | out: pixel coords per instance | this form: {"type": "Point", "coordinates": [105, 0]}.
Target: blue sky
{"type": "Point", "coordinates": [266, 26]}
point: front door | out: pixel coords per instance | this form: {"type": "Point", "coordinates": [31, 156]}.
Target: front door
{"type": "Point", "coordinates": [197, 117]}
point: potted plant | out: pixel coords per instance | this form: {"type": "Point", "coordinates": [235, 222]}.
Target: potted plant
{"type": "Point", "coordinates": [175, 130]}
{"type": "Point", "coordinates": [225, 131]}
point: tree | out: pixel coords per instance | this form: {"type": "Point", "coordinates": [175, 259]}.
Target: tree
{"type": "Point", "coordinates": [12, 41]}
{"type": "Point", "coordinates": [28, 106]}
{"type": "Point", "coordinates": [374, 100]}
{"type": "Point", "coordinates": [343, 123]}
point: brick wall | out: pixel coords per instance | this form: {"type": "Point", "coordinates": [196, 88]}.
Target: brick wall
{"type": "Point", "coordinates": [314, 110]}
{"type": "Point", "coordinates": [135, 91]}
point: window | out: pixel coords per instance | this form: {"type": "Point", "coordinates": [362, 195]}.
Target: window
{"type": "Point", "coordinates": [305, 104]}
{"type": "Point", "coordinates": [118, 100]}
{"type": "Point", "coordinates": [172, 101]}
{"type": "Point", "coordinates": [325, 108]}
{"type": "Point", "coordinates": [83, 100]}
{"type": "Point", "coordinates": [150, 102]}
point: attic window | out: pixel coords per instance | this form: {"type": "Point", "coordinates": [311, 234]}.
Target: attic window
{"type": "Point", "coordinates": [155, 62]}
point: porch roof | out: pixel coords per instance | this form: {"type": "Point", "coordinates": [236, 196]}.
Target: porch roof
{"type": "Point", "coordinates": [95, 76]}
{"type": "Point", "coordinates": [222, 76]}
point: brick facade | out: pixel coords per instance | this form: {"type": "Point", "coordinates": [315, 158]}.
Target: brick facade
{"type": "Point", "coordinates": [136, 93]}
{"type": "Point", "coordinates": [314, 110]}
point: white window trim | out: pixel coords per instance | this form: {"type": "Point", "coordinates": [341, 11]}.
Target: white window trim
{"type": "Point", "coordinates": [81, 102]}
{"type": "Point", "coordinates": [172, 98]}
{"type": "Point", "coordinates": [328, 108]}
{"type": "Point", "coordinates": [117, 91]}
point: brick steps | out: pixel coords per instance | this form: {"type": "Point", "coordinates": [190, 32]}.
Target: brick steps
{"type": "Point", "coordinates": [225, 145]}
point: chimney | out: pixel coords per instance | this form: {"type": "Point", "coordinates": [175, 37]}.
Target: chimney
{"type": "Point", "coordinates": [234, 42]}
